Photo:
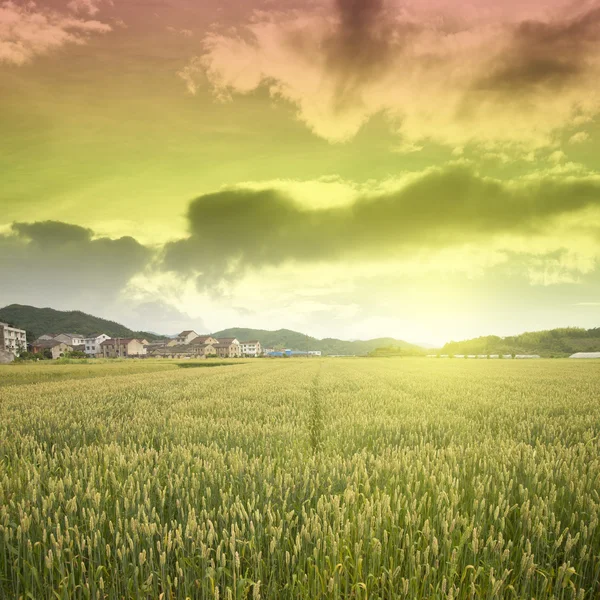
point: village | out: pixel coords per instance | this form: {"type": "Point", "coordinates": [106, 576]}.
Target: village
{"type": "Point", "coordinates": [188, 344]}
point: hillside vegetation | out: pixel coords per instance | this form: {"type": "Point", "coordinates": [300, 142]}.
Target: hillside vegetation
{"type": "Point", "coordinates": [37, 321]}
{"type": "Point", "coordinates": [286, 338]}
{"type": "Point", "coordinates": [553, 342]}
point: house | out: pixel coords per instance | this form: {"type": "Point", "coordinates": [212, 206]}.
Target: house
{"type": "Point", "coordinates": [185, 337]}
{"type": "Point", "coordinates": [55, 347]}
{"type": "Point", "coordinates": [585, 355]}
{"type": "Point", "coordinates": [507, 356]}
{"type": "Point", "coordinates": [202, 349]}
{"type": "Point", "coordinates": [267, 351]}
{"type": "Point", "coordinates": [205, 339]}
{"type": "Point", "coordinates": [72, 339]}
{"type": "Point", "coordinates": [12, 339]}
{"type": "Point", "coordinates": [250, 348]}
{"type": "Point", "coordinates": [228, 348]}
{"type": "Point", "coordinates": [122, 347]}
{"type": "Point", "coordinates": [314, 353]}
{"type": "Point", "coordinates": [527, 356]}
{"type": "Point", "coordinates": [92, 343]}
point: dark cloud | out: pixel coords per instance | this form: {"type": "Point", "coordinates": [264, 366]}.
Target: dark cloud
{"type": "Point", "coordinates": [546, 54]}
{"type": "Point", "coordinates": [53, 261]}
{"type": "Point", "coordinates": [362, 46]}
{"type": "Point", "coordinates": [233, 230]}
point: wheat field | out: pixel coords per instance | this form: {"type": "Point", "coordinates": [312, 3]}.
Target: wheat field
{"type": "Point", "coordinates": [301, 479]}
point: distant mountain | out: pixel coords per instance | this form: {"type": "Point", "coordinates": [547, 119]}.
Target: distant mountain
{"type": "Point", "coordinates": [37, 321]}
{"type": "Point", "coordinates": [553, 342]}
{"type": "Point", "coordinates": [286, 338]}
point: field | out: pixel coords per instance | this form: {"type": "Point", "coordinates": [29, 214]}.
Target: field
{"type": "Point", "coordinates": [301, 479]}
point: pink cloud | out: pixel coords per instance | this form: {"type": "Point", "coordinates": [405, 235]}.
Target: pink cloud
{"type": "Point", "coordinates": [513, 73]}
{"type": "Point", "coordinates": [27, 31]}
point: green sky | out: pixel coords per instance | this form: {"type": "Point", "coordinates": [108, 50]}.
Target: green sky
{"type": "Point", "coordinates": [362, 168]}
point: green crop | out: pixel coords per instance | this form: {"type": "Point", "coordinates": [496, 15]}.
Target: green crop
{"type": "Point", "coordinates": [301, 479]}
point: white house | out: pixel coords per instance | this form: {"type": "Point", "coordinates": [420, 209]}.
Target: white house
{"type": "Point", "coordinates": [92, 343]}
{"type": "Point", "coordinates": [251, 348]}
{"type": "Point", "coordinates": [585, 355]}
{"type": "Point", "coordinates": [12, 339]}
{"type": "Point", "coordinates": [314, 353]}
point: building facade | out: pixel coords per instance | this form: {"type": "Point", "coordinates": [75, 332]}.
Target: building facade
{"type": "Point", "coordinates": [56, 348]}
{"type": "Point", "coordinates": [92, 343]}
{"type": "Point", "coordinates": [72, 339]}
{"type": "Point", "coordinates": [228, 348]}
{"type": "Point", "coordinates": [185, 337]}
{"type": "Point", "coordinates": [12, 339]}
{"type": "Point", "coordinates": [122, 348]}
{"type": "Point", "coordinates": [250, 348]}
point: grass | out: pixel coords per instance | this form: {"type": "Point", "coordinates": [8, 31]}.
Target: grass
{"type": "Point", "coordinates": [370, 478]}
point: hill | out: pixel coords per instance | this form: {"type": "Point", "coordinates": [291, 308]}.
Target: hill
{"type": "Point", "coordinates": [549, 343]}
{"type": "Point", "coordinates": [37, 321]}
{"type": "Point", "coordinates": [286, 338]}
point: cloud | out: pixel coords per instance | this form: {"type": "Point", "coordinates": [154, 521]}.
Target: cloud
{"type": "Point", "coordinates": [579, 137]}
{"type": "Point", "coordinates": [91, 7]}
{"type": "Point", "coordinates": [546, 54]}
{"type": "Point", "coordinates": [55, 262]}
{"type": "Point", "coordinates": [239, 229]}
{"type": "Point", "coordinates": [183, 32]}
{"type": "Point", "coordinates": [437, 72]}
{"type": "Point", "coordinates": [28, 30]}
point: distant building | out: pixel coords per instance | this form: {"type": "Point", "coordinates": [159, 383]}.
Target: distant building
{"type": "Point", "coordinates": [92, 343]}
{"type": "Point", "coordinates": [527, 356]}
{"type": "Point", "coordinates": [507, 356]}
{"type": "Point", "coordinates": [202, 349]}
{"type": "Point", "coordinates": [585, 355]}
{"type": "Point", "coordinates": [12, 339]}
{"type": "Point", "coordinates": [72, 339]}
{"type": "Point", "coordinates": [267, 351]}
{"type": "Point", "coordinates": [56, 348]}
{"type": "Point", "coordinates": [251, 348]}
{"type": "Point", "coordinates": [228, 348]}
{"type": "Point", "coordinates": [122, 347]}
{"type": "Point", "coordinates": [206, 339]}
{"type": "Point", "coordinates": [494, 356]}
{"type": "Point", "coordinates": [314, 352]}
{"type": "Point", "coordinates": [185, 337]}
{"type": "Point", "coordinates": [459, 356]}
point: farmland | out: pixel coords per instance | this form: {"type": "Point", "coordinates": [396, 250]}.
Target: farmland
{"type": "Point", "coordinates": [333, 478]}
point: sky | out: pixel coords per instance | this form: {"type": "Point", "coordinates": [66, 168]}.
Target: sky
{"type": "Point", "coordinates": [426, 170]}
